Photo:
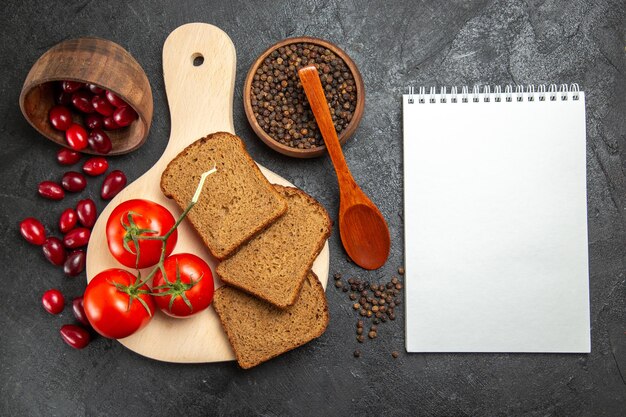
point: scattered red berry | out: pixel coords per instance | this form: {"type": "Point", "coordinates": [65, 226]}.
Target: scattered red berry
{"type": "Point", "coordinates": [68, 220]}
{"type": "Point", "coordinates": [75, 336]}
{"type": "Point", "coordinates": [67, 156]}
{"type": "Point", "coordinates": [73, 181]}
{"type": "Point", "coordinates": [76, 137]}
{"type": "Point", "coordinates": [99, 141]}
{"type": "Point", "coordinates": [76, 238]}
{"type": "Point", "coordinates": [82, 101]}
{"type": "Point", "coordinates": [75, 263]}
{"type": "Point", "coordinates": [53, 301]}
{"type": "Point", "coordinates": [33, 231]}
{"type": "Point", "coordinates": [109, 123]}
{"type": "Point", "coordinates": [95, 166]}
{"type": "Point", "coordinates": [54, 251]}
{"type": "Point", "coordinates": [95, 89]}
{"type": "Point", "coordinates": [50, 190]}
{"type": "Point", "coordinates": [60, 118]}
{"type": "Point", "coordinates": [124, 116]}
{"type": "Point", "coordinates": [115, 100]}
{"type": "Point", "coordinates": [94, 121]}
{"type": "Point", "coordinates": [102, 105]}
{"type": "Point", "coordinates": [113, 184]}
{"type": "Point", "coordinates": [79, 311]}
{"type": "Point", "coordinates": [87, 212]}
{"type": "Point", "coordinates": [71, 86]}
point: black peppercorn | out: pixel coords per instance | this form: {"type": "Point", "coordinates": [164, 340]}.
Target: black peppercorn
{"type": "Point", "coordinates": [276, 86]}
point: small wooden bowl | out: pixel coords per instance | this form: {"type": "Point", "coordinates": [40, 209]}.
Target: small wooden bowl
{"type": "Point", "coordinates": [320, 150]}
{"type": "Point", "coordinates": [96, 61]}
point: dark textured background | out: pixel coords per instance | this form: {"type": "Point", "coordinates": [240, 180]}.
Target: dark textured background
{"type": "Point", "coordinates": [395, 44]}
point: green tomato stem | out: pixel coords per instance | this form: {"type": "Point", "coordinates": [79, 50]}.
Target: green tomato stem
{"type": "Point", "coordinates": [163, 239]}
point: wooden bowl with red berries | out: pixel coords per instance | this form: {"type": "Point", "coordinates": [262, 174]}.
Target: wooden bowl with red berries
{"type": "Point", "coordinates": [90, 95]}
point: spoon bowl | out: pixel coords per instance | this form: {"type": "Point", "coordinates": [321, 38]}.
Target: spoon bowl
{"type": "Point", "coordinates": [363, 223]}
{"type": "Point", "coordinates": [363, 229]}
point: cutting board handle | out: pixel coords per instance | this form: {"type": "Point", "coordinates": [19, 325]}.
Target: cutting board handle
{"type": "Point", "coordinates": [199, 63]}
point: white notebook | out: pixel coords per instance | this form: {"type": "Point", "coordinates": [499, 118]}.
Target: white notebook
{"type": "Point", "coordinates": [496, 220]}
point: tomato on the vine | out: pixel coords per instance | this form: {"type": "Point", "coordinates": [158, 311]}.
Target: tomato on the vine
{"type": "Point", "coordinates": [132, 220]}
{"type": "Point", "coordinates": [116, 305]}
{"type": "Point", "coordinates": [187, 288]}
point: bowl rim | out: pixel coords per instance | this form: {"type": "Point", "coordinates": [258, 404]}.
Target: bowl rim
{"type": "Point", "coordinates": [319, 150]}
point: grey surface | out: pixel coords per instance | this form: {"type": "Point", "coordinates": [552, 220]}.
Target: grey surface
{"type": "Point", "coordinates": [396, 44]}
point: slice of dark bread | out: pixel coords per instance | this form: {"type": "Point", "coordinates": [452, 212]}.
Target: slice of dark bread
{"type": "Point", "coordinates": [236, 202]}
{"type": "Point", "coordinates": [258, 331]}
{"type": "Point", "coordinates": [274, 264]}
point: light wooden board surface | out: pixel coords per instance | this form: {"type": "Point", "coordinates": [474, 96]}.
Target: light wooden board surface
{"type": "Point", "coordinates": [200, 100]}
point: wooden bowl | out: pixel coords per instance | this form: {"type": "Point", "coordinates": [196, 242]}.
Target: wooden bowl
{"type": "Point", "coordinates": [320, 150]}
{"type": "Point", "coordinates": [96, 61]}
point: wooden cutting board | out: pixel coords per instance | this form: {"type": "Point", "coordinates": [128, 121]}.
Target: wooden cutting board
{"type": "Point", "coordinates": [200, 100]}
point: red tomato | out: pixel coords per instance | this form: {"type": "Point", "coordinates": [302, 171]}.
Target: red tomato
{"type": "Point", "coordinates": [114, 306]}
{"type": "Point", "coordinates": [188, 288]}
{"type": "Point", "coordinates": [136, 218]}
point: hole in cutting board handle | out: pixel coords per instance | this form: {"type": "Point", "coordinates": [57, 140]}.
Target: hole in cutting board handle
{"type": "Point", "coordinates": [197, 59]}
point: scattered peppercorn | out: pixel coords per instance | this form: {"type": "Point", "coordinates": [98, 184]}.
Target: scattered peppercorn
{"type": "Point", "coordinates": [337, 276]}
{"type": "Point", "coordinates": [357, 353]}
{"type": "Point", "coordinates": [395, 354]}
{"type": "Point", "coordinates": [372, 301]}
{"type": "Point", "coordinates": [401, 270]}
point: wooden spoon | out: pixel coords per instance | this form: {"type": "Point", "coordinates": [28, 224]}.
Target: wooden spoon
{"type": "Point", "coordinates": [364, 232]}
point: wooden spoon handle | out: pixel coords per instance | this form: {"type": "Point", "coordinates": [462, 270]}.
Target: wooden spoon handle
{"type": "Point", "coordinates": [317, 99]}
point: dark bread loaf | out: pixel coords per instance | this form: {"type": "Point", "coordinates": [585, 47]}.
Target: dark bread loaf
{"type": "Point", "coordinates": [258, 331]}
{"type": "Point", "coordinates": [236, 202]}
{"type": "Point", "coordinates": [274, 264]}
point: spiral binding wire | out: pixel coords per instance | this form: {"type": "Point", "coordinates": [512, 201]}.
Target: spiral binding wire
{"type": "Point", "coordinates": [509, 93]}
